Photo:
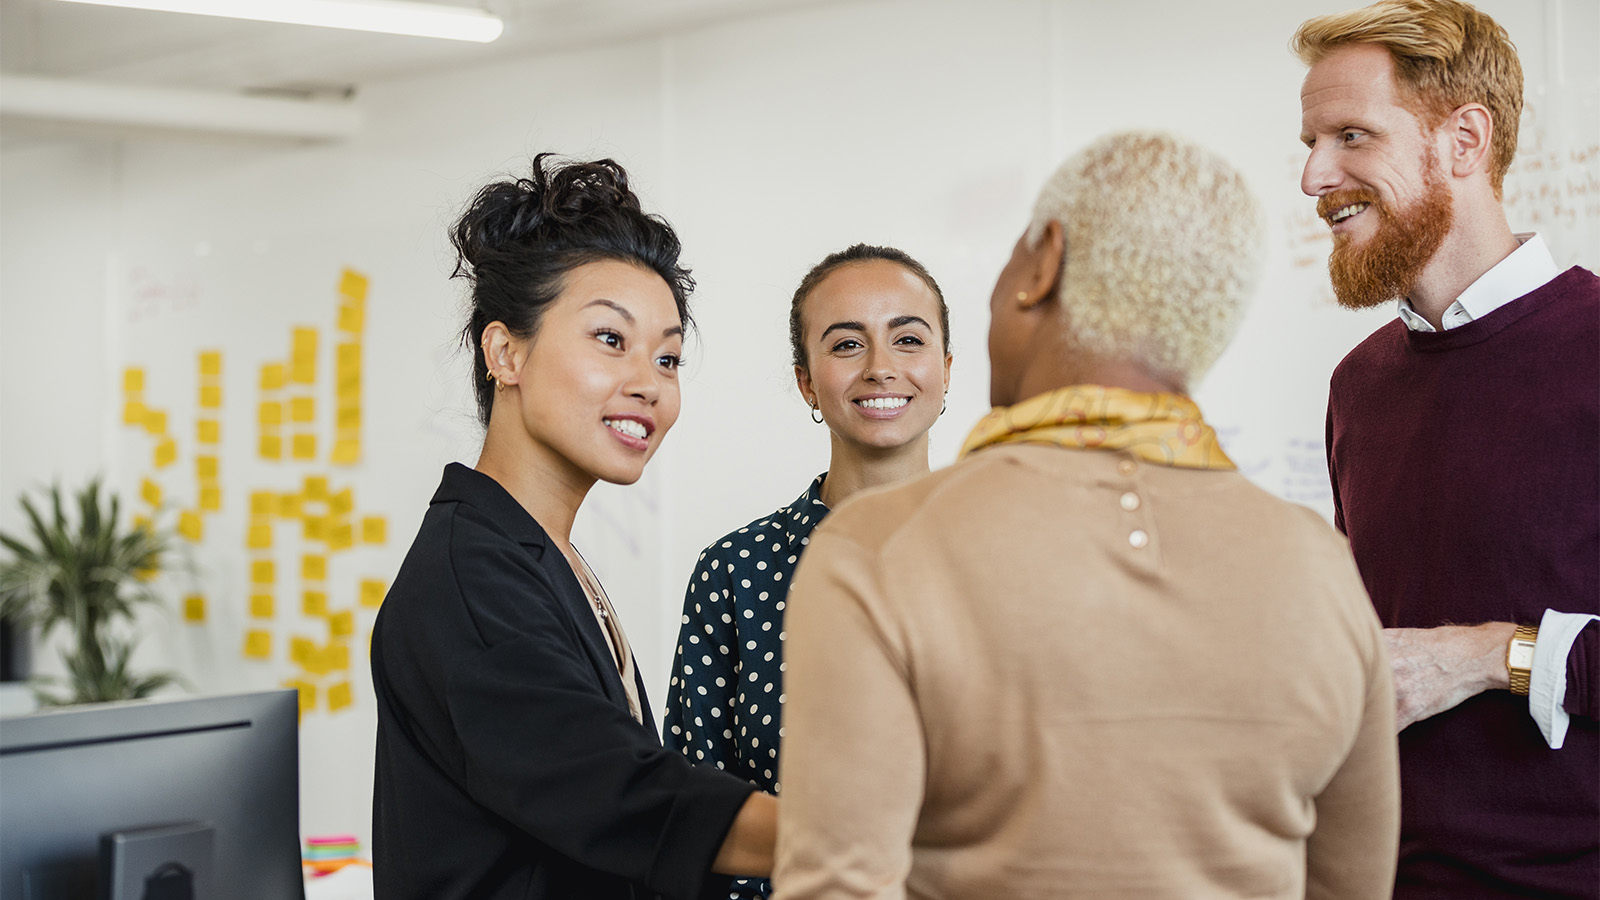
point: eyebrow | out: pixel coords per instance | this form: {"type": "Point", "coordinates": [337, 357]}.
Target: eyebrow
{"type": "Point", "coordinates": [601, 301]}
{"type": "Point", "coordinates": [894, 323]}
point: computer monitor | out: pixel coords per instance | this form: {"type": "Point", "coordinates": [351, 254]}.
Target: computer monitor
{"type": "Point", "coordinates": [219, 776]}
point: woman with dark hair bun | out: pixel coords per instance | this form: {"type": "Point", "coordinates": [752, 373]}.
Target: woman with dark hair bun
{"type": "Point", "coordinates": [516, 753]}
{"type": "Point", "coordinates": [870, 336]}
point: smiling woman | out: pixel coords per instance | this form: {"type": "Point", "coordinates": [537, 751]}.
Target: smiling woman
{"type": "Point", "coordinates": [516, 756]}
{"type": "Point", "coordinates": [870, 335]}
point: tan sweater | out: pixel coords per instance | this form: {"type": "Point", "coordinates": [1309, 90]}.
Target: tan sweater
{"type": "Point", "coordinates": [1046, 672]}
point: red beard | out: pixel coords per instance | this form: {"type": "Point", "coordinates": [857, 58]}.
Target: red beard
{"type": "Point", "coordinates": [1389, 263]}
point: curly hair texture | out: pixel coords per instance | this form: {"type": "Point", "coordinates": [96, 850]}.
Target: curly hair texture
{"type": "Point", "coordinates": [1446, 54]}
{"type": "Point", "coordinates": [517, 241]}
{"type": "Point", "coordinates": [1164, 245]}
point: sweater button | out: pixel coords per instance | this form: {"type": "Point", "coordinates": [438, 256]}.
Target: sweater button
{"type": "Point", "coordinates": [1138, 539]}
{"type": "Point", "coordinates": [1127, 467]}
{"type": "Point", "coordinates": [1130, 501]}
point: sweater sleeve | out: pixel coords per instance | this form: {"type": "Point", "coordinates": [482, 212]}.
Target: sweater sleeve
{"type": "Point", "coordinates": [548, 751]}
{"type": "Point", "coordinates": [1583, 674]}
{"type": "Point", "coordinates": [1352, 852]}
{"type": "Point", "coordinates": [853, 758]}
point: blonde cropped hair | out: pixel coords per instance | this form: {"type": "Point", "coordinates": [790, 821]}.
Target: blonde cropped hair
{"type": "Point", "coordinates": [1163, 249]}
{"type": "Point", "coordinates": [1446, 54]}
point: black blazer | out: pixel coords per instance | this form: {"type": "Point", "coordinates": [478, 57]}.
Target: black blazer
{"type": "Point", "coordinates": [507, 762]}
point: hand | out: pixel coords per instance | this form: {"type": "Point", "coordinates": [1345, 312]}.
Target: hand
{"type": "Point", "coordinates": [1437, 668]}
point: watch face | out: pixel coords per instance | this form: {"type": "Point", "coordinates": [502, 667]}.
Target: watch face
{"type": "Point", "coordinates": [1521, 656]}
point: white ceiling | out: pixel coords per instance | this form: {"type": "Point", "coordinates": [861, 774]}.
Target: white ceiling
{"type": "Point", "coordinates": [135, 47]}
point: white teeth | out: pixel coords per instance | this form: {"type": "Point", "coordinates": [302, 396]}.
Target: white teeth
{"type": "Point", "coordinates": [626, 426]}
{"type": "Point", "coordinates": [1347, 212]}
{"type": "Point", "coordinates": [884, 402]}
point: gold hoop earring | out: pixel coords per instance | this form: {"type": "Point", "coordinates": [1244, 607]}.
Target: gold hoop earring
{"type": "Point", "coordinates": [816, 415]}
{"type": "Point", "coordinates": [946, 404]}
{"type": "Point", "coordinates": [488, 376]}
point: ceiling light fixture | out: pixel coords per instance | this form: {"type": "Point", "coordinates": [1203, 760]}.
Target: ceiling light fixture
{"type": "Point", "coordinates": [457, 23]}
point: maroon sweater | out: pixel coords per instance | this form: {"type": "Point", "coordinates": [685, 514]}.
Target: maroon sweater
{"type": "Point", "coordinates": [1466, 472]}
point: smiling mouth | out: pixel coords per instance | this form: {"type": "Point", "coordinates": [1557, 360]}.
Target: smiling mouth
{"type": "Point", "coordinates": [1345, 212]}
{"type": "Point", "coordinates": [628, 427]}
{"type": "Point", "coordinates": [882, 402]}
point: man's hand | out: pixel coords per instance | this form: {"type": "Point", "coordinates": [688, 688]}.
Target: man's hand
{"type": "Point", "coordinates": [1437, 668]}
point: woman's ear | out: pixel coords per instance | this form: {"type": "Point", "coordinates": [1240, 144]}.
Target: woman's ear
{"type": "Point", "coordinates": [802, 380]}
{"type": "Point", "coordinates": [499, 353]}
{"type": "Point", "coordinates": [1044, 265]}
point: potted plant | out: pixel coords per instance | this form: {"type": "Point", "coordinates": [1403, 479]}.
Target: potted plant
{"type": "Point", "coordinates": [87, 577]}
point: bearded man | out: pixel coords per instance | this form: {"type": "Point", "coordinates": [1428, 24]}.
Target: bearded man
{"type": "Point", "coordinates": [1464, 449]}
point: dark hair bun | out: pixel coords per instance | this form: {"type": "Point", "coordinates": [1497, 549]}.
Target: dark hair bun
{"type": "Point", "coordinates": [518, 239]}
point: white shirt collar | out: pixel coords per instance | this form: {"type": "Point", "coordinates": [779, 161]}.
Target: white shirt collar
{"type": "Point", "coordinates": [1528, 268]}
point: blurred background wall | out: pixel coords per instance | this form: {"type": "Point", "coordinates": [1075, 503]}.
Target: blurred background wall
{"type": "Point", "coordinates": [769, 133]}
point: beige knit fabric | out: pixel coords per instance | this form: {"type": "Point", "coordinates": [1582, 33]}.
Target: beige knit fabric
{"type": "Point", "coordinates": [1052, 673]}
{"type": "Point", "coordinates": [1164, 247]}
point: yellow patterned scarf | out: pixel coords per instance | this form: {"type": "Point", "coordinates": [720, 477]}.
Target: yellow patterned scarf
{"type": "Point", "coordinates": [1160, 428]}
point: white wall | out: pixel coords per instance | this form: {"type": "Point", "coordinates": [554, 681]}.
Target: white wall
{"type": "Point", "coordinates": [922, 123]}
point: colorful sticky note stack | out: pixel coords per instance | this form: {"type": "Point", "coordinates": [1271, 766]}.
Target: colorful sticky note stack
{"type": "Point", "coordinates": [330, 853]}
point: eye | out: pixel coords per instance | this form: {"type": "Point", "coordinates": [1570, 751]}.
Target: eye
{"type": "Point", "coordinates": [911, 340]}
{"type": "Point", "coordinates": [847, 345]}
{"type": "Point", "coordinates": [669, 361]}
{"type": "Point", "coordinates": [1348, 136]}
{"type": "Point", "coordinates": [610, 338]}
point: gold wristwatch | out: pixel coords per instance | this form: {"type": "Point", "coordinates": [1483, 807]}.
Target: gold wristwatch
{"type": "Point", "coordinates": [1519, 658]}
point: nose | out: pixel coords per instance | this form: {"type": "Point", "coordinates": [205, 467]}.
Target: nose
{"type": "Point", "coordinates": [879, 370]}
{"type": "Point", "coordinates": [644, 380]}
{"type": "Point", "coordinates": [1321, 173]}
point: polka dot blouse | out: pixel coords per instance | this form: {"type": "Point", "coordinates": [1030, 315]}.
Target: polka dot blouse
{"type": "Point", "coordinates": [725, 703]}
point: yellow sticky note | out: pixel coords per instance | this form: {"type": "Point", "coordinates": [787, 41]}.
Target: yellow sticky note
{"type": "Point", "coordinates": [303, 342]}
{"type": "Point", "coordinates": [205, 468]}
{"type": "Point", "coordinates": [166, 453]}
{"type": "Point", "coordinates": [133, 379]}
{"type": "Point", "coordinates": [155, 421]}
{"type": "Point", "coordinates": [258, 644]}
{"type": "Point", "coordinates": [271, 446]}
{"type": "Point", "coordinates": [353, 284]}
{"type": "Point", "coordinates": [308, 694]}
{"type": "Point", "coordinates": [341, 503]}
{"type": "Point", "coordinates": [303, 371]}
{"type": "Point", "coordinates": [348, 357]}
{"type": "Point", "coordinates": [263, 571]}
{"type": "Point", "coordinates": [210, 498]}
{"type": "Point", "coordinates": [194, 608]}
{"type": "Point", "coordinates": [208, 431]}
{"type": "Point", "coordinates": [263, 503]}
{"type": "Point", "coordinates": [304, 446]}
{"type": "Point", "coordinates": [352, 318]}
{"type": "Point", "coordinates": [314, 528]}
{"type": "Point", "coordinates": [336, 657]}
{"type": "Point", "coordinates": [290, 505]}
{"type": "Point", "coordinates": [133, 413]}
{"type": "Point", "coordinates": [348, 417]}
{"type": "Point", "coordinates": [374, 530]}
{"type": "Point", "coordinates": [346, 452]}
{"type": "Point", "coordinates": [301, 649]}
{"type": "Point", "coordinates": [273, 377]}
{"type": "Point", "coordinates": [259, 537]}
{"type": "Point", "coordinates": [316, 488]}
{"type": "Point", "coordinates": [210, 362]}
{"type": "Point", "coordinates": [341, 536]}
{"type": "Point", "coordinates": [191, 526]}
{"type": "Point", "coordinates": [339, 696]}
{"type": "Point", "coordinates": [302, 409]}
{"type": "Point", "coordinates": [150, 492]}
{"type": "Point", "coordinates": [342, 623]}
{"type": "Point", "coordinates": [262, 606]}
{"type": "Point", "coordinates": [372, 591]}
{"type": "Point", "coordinates": [314, 603]}
{"type": "Point", "coordinates": [210, 396]}
{"type": "Point", "coordinates": [313, 567]}
{"type": "Point", "coordinates": [269, 412]}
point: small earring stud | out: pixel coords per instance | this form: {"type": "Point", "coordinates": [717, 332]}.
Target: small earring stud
{"type": "Point", "coordinates": [1022, 296]}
